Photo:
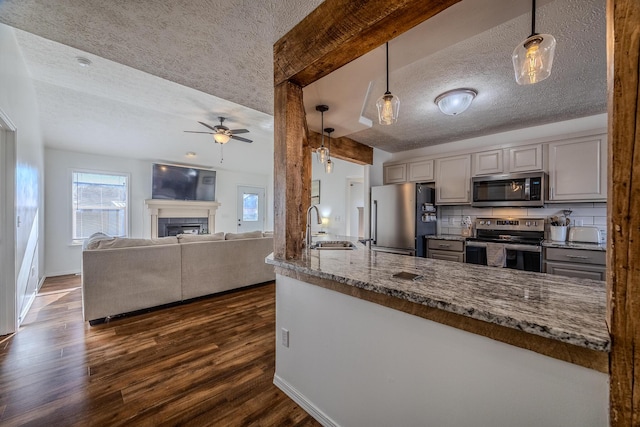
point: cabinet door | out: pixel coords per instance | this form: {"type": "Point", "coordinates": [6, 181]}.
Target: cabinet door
{"type": "Point", "coordinates": [421, 171]}
{"type": "Point", "coordinates": [576, 270]}
{"type": "Point", "coordinates": [525, 159]}
{"type": "Point", "coordinates": [394, 174]}
{"type": "Point", "coordinates": [447, 256]}
{"type": "Point", "coordinates": [578, 169]}
{"type": "Point", "coordinates": [487, 162]}
{"type": "Point", "coordinates": [453, 181]}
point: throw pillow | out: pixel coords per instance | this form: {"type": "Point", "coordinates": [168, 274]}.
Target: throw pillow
{"type": "Point", "coordinates": [123, 242]}
{"type": "Point", "coordinates": [93, 241]}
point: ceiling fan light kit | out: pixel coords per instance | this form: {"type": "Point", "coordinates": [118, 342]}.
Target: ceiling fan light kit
{"type": "Point", "coordinates": [533, 58]}
{"type": "Point", "coordinates": [322, 152]}
{"type": "Point", "coordinates": [456, 101]}
{"type": "Point", "coordinates": [388, 105]}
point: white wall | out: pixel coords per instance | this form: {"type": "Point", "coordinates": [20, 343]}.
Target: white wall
{"type": "Point", "coordinates": [61, 257]}
{"type": "Point", "coordinates": [18, 103]}
{"type": "Point", "coordinates": [334, 194]}
{"type": "Point", "coordinates": [361, 364]}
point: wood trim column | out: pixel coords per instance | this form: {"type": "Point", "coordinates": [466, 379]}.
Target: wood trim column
{"type": "Point", "coordinates": [623, 254]}
{"type": "Point", "coordinates": [292, 171]}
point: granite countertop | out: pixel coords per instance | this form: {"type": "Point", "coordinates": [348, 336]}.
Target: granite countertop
{"type": "Point", "coordinates": [575, 245]}
{"type": "Point", "coordinates": [448, 237]}
{"type": "Point", "coordinates": [562, 308]}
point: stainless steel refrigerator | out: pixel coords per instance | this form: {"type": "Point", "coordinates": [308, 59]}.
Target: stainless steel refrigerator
{"type": "Point", "coordinates": [401, 215]}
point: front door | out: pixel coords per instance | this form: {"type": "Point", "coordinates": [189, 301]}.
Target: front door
{"type": "Point", "coordinates": [250, 208]}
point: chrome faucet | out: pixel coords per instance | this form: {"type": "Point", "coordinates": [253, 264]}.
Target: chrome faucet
{"type": "Point", "coordinates": [307, 237]}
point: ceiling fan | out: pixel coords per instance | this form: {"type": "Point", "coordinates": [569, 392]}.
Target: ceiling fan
{"type": "Point", "coordinates": [222, 134]}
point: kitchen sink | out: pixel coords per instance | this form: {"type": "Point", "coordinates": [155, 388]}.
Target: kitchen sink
{"type": "Point", "coordinates": [334, 245]}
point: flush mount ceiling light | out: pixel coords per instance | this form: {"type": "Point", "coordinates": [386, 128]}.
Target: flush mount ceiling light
{"type": "Point", "coordinates": [455, 101]}
{"type": "Point", "coordinates": [388, 105]}
{"type": "Point", "coordinates": [328, 167]}
{"type": "Point", "coordinates": [323, 152]}
{"type": "Point", "coordinates": [191, 154]}
{"type": "Point", "coordinates": [533, 58]}
{"type": "Point", "coordinates": [82, 61]}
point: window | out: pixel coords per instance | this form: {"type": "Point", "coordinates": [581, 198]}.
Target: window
{"type": "Point", "coordinates": [250, 207]}
{"type": "Point", "coordinates": [100, 202]}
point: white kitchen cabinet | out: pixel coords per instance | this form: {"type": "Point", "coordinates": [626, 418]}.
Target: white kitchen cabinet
{"type": "Point", "coordinates": [453, 180]}
{"type": "Point", "coordinates": [487, 162]}
{"type": "Point", "coordinates": [585, 264]}
{"type": "Point", "coordinates": [578, 169]}
{"type": "Point", "coordinates": [421, 171]}
{"type": "Point", "coordinates": [394, 174]}
{"type": "Point", "coordinates": [525, 158]}
{"type": "Point", "coordinates": [447, 250]}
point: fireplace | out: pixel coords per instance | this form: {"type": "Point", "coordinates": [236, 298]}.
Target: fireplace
{"type": "Point", "coordinates": [181, 217]}
{"type": "Point", "coordinates": [175, 226]}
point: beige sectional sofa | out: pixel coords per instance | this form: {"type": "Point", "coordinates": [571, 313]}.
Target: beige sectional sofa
{"type": "Point", "coordinates": [124, 275]}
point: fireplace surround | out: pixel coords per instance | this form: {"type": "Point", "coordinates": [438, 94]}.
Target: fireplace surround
{"type": "Point", "coordinates": [191, 215]}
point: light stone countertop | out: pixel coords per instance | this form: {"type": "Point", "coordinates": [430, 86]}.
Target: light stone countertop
{"type": "Point", "coordinates": [561, 308]}
{"type": "Point", "coordinates": [456, 237]}
{"type": "Point", "coordinates": [575, 245]}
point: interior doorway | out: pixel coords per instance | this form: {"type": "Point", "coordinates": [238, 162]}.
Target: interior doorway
{"type": "Point", "coordinates": [250, 208]}
{"type": "Point", "coordinates": [8, 291]}
{"type": "Point", "coordinates": [355, 207]}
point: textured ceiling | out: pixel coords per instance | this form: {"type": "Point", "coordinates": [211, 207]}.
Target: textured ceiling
{"type": "Point", "coordinates": [194, 60]}
{"type": "Point", "coordinates": [576, 87]}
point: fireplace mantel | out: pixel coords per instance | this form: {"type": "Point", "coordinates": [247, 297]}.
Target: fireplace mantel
{"type": "Point", "coordinates": [161, 208]}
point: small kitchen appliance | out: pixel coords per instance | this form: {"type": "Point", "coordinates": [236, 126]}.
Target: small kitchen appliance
{"type": "Point", "coordinates": [519, 238]}
{"type": "Point", "coordinates": [584, 234]}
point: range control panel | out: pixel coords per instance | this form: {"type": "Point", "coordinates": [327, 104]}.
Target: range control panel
{"type": "Point", "coordinates": [510, 224]}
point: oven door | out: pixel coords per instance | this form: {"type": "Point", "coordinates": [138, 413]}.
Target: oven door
{"type": "Point", "coordinates": [518, 256]}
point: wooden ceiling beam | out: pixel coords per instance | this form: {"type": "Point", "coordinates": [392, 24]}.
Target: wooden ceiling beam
{"type": "Point", "coordinates": [339, 31]}
{"type": "Point", "coordinates": [344, 148]}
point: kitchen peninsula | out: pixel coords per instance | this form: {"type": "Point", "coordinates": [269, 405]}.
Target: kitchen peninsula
{"type": "Point", "coordinates": [460, 345]}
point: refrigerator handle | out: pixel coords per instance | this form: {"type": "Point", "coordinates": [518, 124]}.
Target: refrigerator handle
{"type": "Point", "coordinates": [374, 238]}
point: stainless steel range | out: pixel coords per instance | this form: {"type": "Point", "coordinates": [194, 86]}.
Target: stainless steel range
{"type": "Point", "coordinates": [507, 242]}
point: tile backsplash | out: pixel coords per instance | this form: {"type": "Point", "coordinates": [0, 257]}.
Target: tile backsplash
{"type": "Point", "coordinates": [587, 214]}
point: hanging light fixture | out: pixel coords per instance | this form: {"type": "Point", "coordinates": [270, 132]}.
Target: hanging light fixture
{"type": "Point", "coordinates": [388, 104]}
{"type": "Point", "coordinates": [533, 58]}
{"type": "Point", "coordinates": [455, 101]}
{"type": "Point", "coordinates": [328, 167]}
{"type": "Point", "coordinates": [322, 152]}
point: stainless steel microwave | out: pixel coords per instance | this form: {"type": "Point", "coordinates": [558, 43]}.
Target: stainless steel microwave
{"type": "Point", "coordinates": [510, 190]}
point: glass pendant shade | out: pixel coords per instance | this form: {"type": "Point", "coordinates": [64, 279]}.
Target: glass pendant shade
{"type": "Point", "coordinates": [455, 101]}
{"type": "Point", "coordinates": [533, 59]}
{"type": "Point", "coordinates": [388, 106]}
{"type": "Point", "coordinates": [323, 154]}
{"type": "Point", "coordinates": [221, 138]}
{"type": "Point", "coordinates": [328, 167]}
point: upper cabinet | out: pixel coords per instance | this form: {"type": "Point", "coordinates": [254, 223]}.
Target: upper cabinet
{"type": "Point", "coordinates": [527, 158]}
{"type": "Point", "coordinates": [578, 169]}
{"type": "Point", "coordinates": [421, 171]}
{"type": "Point", "coordinates": [488, 162]}
{"type": "Point", "coordinates": [394, 174]}
{"type": "Point", "coordinates": [453, 180]}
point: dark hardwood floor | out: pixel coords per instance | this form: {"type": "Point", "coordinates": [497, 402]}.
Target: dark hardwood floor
{"type": "Point", "coordinates": [206, 363]}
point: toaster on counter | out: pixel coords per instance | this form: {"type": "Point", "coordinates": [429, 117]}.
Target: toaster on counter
{"type": "Point", "coordinates": [584, 234]}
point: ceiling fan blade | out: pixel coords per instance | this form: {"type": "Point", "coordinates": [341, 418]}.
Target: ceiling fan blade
{"type": "Point", "coordinates": [193, 131]}
{"type": "Point", "coordinates": [234, 131]}
{"type": "Point", "coordinates": [239, 138]}
{"type": "Point", "coordinates": [210, 127]}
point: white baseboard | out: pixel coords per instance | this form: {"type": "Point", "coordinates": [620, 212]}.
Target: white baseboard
{"type": "Point", "coordinates": [303, 402]}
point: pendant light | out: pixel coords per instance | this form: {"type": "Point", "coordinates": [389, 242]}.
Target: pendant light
{"type": "Point", "coordinates": [388, 104]}
{"type": "Point", "coordinates": [323, 152]}
{"type": "Point", "coordinates": [533, 58]}
{"type": "Point", "coordinates": [328, 167]}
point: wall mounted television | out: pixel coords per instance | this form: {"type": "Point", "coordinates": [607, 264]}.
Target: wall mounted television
{"type": "Point", "coordinates": [183, 183]}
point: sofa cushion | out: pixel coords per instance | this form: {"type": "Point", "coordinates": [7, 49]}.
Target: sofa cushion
{"type": "Point", "coordinates": [120, 242]}
{"type": "Point", "coordinates": [187, 238]}
{"type": "Point", "coordinates": [92, 241]}
{"type": "Point", "coordinates": [247, 235]}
